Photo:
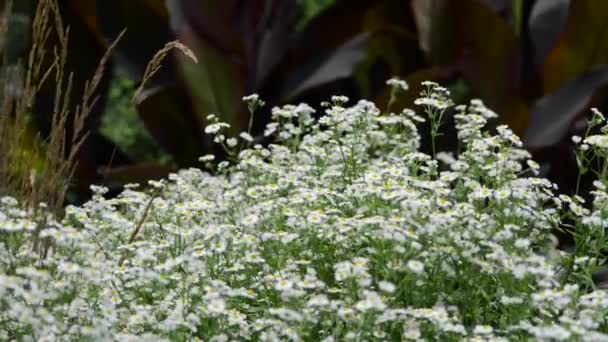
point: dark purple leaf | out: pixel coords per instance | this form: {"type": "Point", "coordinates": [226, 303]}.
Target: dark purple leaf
{"type": "Point", "coordinates": [217, 22]}
{"type": "Point", "coordinates": [147, 32]}
{"type": "Point", "coordinates": [327, 67]}
{"type": "Point", "coordinates": [498, 6]}
{"type": "Point", "coordinates": [546, 23]}
{"type": "Point", "coordinates": [165, 111]}
{"type": "Point", "coordinates": [278, 30]}
{"type": "Point", "coordinates": [551, 116]}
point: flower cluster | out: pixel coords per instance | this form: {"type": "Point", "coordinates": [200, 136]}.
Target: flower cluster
{"type": "Point", "coordinates": [344, 231]}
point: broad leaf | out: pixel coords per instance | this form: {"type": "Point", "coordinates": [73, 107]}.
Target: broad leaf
{"type": "Point", "coordinates": [546, 23]}
{"type": "Point", "coordinates": [552, 115]}
{"type": "Point", "coordinates": [437, 33]}
{"type": "Point", "coordinates": [335, 65]}
{"type": "Point", "coordinates": [489, 53]}
{"type": "Point", "coordinates": [584, 43]}
{"type": "Point", "coordinates": [166, 113]}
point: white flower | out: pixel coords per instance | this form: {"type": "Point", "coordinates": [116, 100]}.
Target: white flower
{"type": "Point", "coordinates": [231, 142]}
{"type": "Point", "coordinates": [206, 158]}
{"type": "Point", "coordinates": [482, 192]}
{"type": "Point", "coordinates": [371, 301]}
{"type": "Point", "coordinates": [599, 185]}
{"type": "Point", "coordinates": [600, 141]}
{"type": "Point", "coordinates": [315, 217]}
{"type": "Point", "coordinates": [286, 314]}
{"type": "Point", "coordinates": [246, 136]}
{"type": "Point", "coordinates": [216, 305]}
{"type": "Point", "coordinates": [213, 128]}
{"type": "Point", "coordinates": [284, 284]}
{"type": "Point", "coordinates": [347, 314]}
{"type": "Point", "coordinates": [318, 301]}
{"type": "Point", "coordinates": [534, 167]}
{"type": "Point", "coordinates": [339, 99]}
{"type": "Point", "coordinates": [386, 286]}
{"type": "Point", "coordinates": [250, 220]}
{"type": "Point", "coordinates": [505, 300]}
{"type": "Point", "coordinates": [446, 157]}
{"type": "Point", "coordinates": [397, 83]}
{"type": "Point", "coordinates": [432, 103]}
{"type": "Point", "coordinates": [251, 98]}
{"type": "Point", "coordinates": [415, 266]}
{"type": "Point", "coordinates": [598, 114]}
{"type": "Point", "coordinates": [271, 128]}
{"type": "Point", "coordinates": [483, 330]}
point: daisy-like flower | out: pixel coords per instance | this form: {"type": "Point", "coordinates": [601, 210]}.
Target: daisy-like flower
{"type": "Point", "coordinates": [250, 220]}
{"type": "Point", "coordinates": [415, 266]}
{"type": "Point", "coordinates": [398, 84]}
{"type": "Point", "coordinates": [246, 136]}
{"type": "Point", "coordinates": [386, 286]}
{"type": "Point", "coordinates": [341, 229]}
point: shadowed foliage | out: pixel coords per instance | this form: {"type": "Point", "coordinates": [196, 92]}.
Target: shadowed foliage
{"type": "Point", "coordinates": [520, 57]}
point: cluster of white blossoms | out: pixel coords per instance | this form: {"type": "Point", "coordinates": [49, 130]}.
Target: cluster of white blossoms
{"type": "Point", "coordinates": [344, 232]}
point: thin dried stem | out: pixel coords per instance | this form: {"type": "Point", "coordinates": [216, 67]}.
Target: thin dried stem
{"type": "Point", "coordinates": [141, 221]}
{"type": "Point", "coordinates": [156, 63]}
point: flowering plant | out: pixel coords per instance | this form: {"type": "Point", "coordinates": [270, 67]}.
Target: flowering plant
{"type": "Point", "coordinates": [344, 231]}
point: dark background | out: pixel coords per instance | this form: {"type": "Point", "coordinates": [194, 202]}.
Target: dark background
{"type": "Point", "coordinates": [540, 64]}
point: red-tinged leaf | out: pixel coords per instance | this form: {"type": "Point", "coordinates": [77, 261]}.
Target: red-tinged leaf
{"type": "Point", "coordinates": [330, 29]}
{"type": "Point", "coordinates": [216, 22]}
{"type": "Point", "coordinates": [437, 35]}
{"type": "Point", "coordinates": [546, 23]}
{"type": "Point", "coordinates": [257, 38]}
{"type": "Point", "coordinates": [216, 84]}
{"type": "Point", "coordinates": [472, 36]}
{"type": "Point", "coordinates": [392, 47]}
{"type": "Point", "coordinates": [275, 39]}
{"type": "Point", "coordinates": [583, 43]}
{"type": "Point", "coordinates": [490, 54]}
{"type": "Point", "coordinates": [552, 115]}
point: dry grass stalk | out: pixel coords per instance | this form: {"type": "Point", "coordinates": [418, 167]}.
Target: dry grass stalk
{"type": "Point", "coordinates": [24, 158]}
{"type": "Point", "coordinates": [32, 169]}
{"type": "Point", "coordinates": [141, 221]}
{"type": "Point", "coordinates": [156, 63]}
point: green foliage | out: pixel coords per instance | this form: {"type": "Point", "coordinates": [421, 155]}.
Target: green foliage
{"type": "Point", "coordinates": [312, 8]}
{"type": "Point", "coordinates": [121, 124]}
